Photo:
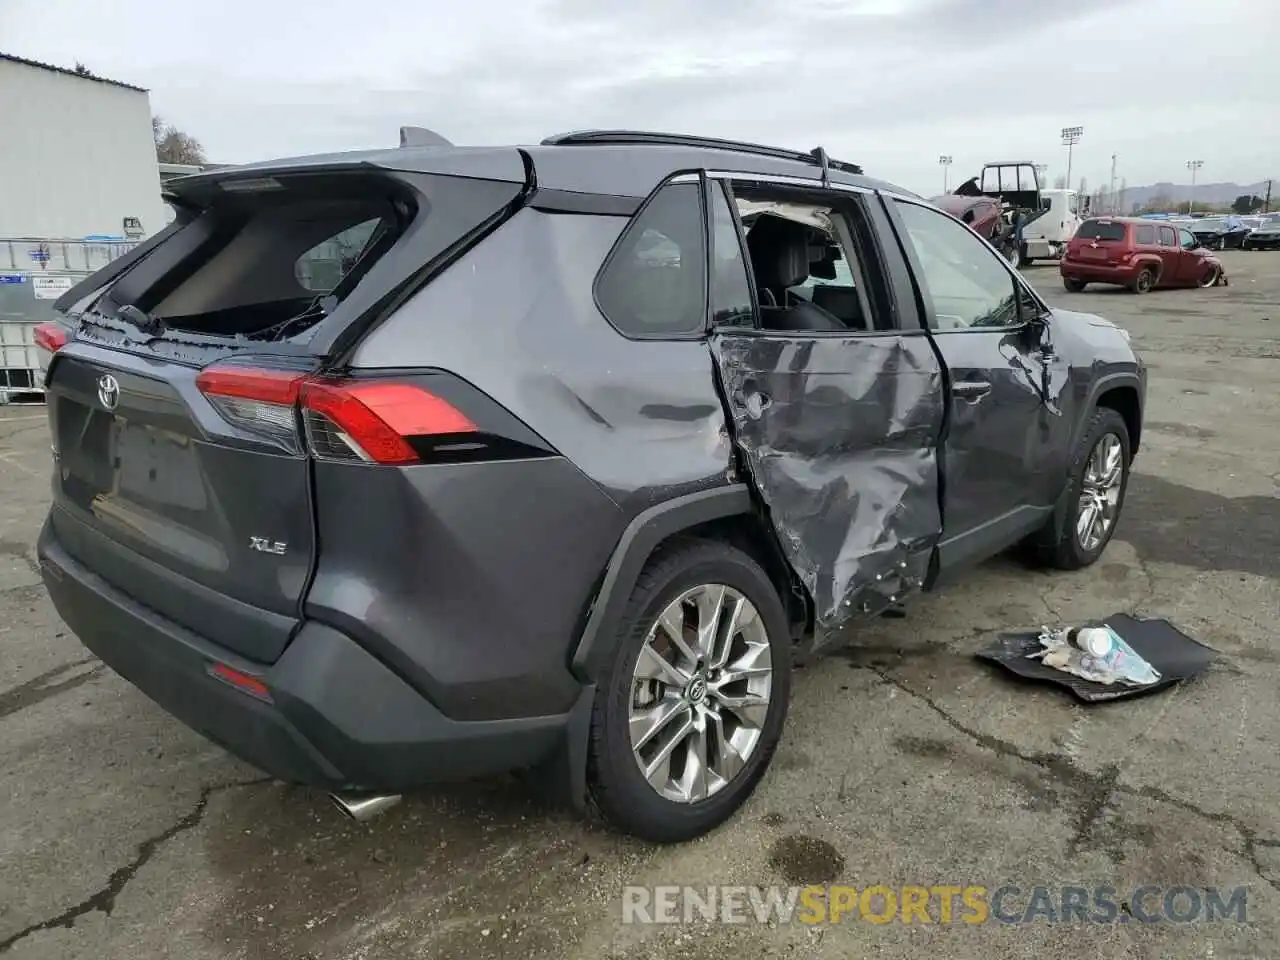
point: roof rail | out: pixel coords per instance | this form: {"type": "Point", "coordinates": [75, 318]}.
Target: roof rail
{"type": "Point", "coordinates": [817, 156]}
{"type": "Point", "coordinates": [421, 137]}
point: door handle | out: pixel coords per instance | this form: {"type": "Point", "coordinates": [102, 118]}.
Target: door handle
{"type": "Point", "coordinates": [970, 391]}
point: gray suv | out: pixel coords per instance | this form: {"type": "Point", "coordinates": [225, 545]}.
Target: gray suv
{"type": "Point", "coordinates": [392, 467]}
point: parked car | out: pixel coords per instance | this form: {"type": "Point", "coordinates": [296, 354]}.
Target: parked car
{"type": "Point", "coordinates": [1266, 237]}
{"type": "Point", "coordinates": [1138, 254]}
{"type": "Point", "coordinates": [982, 214]}
{"type": "Point", "coordinates": [541, 481]}
{"type": "Point", "coordinates": [1220, 233]}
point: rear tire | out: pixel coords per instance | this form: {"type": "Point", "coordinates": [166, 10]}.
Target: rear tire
{"type": "Point", "coordinates": [1145, 282]}
{"type": "Point", "coordinates": [1073, 285]}
{"type": "Point", "coordinates": [1069, 549]}
{"type": "Point", "coordinates": [700, 782]}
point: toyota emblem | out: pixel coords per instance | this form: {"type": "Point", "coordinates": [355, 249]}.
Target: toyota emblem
{"type": "Point", "coordinates": [108, 391]}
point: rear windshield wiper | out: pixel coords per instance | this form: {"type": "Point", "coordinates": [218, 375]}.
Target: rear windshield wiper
{"type": "Point", "coordinates": [145, 322]}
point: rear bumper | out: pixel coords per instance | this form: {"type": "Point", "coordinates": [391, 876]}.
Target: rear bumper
{"type": "Point", "coordinates": [1091, 272]}
{"type": "Point", "coordinates": [337, 717]}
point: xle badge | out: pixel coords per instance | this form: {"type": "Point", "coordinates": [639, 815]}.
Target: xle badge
{"type": "Point", "coordinates": [263, 545]}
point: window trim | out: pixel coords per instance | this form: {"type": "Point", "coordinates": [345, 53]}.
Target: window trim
{"type": "Point", "coordinates": [682, 177]}
{"type": "Point", "coordinates": [725, 188]}
{"type": "Point", "coordinates": [814, 192]}
{"type": "Point", "coordinates": [1020, 286]}
{"type": "Point", "coordinates": [1160, 231]}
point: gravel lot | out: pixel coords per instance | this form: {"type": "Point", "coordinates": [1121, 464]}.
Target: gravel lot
{"type": "Point", "coordinates": [905, 761]}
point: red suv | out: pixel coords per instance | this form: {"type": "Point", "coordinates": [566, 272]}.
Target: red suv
{"type": "Point", "coordinates": [1138, 254]}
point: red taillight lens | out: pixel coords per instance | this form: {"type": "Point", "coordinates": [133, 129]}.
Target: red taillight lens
{"type": "Point", "coordinates": [347, 420]}
{"type": "Point", "coordinates": [50, 336]}
{"type": "Point", "coordinates": [249, 383]}
{"type": "Point", "coordinates": [49, 339]}
{"type": "Point", "coordinates": [374, 420]}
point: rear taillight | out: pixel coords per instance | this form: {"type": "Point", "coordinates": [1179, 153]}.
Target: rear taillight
{"type": "Point", "coordinates": [262, 401]}
{"type": "Point", "coordinates": [374, 421]}
{"type": "Point", "coordinates": [49, 338]}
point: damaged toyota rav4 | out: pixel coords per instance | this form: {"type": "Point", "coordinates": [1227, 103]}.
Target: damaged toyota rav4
{"type": "Point", "coordinates": [393, 467]}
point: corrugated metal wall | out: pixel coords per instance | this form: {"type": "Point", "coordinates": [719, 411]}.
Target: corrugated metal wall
{"type": "Point", "coordinates": [76, 156]}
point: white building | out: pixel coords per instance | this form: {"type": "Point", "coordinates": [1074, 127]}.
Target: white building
{"type": "Point", "coordinates": [77, 155]}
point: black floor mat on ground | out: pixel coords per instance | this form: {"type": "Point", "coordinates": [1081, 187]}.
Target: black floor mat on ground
{"type": "Point", "coordinates": [1159, 642]}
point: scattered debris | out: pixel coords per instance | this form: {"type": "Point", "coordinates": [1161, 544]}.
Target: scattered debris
{"type": "Point", "coordinates": [1094, 653]}
{"type": "Point", "coordinates": [1156, 645]}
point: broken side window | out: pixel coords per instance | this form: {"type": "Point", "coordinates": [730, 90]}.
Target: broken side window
{"type": "Point", "coordinates": [805, 262]}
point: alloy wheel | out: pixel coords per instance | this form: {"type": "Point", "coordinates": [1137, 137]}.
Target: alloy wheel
{"type": "Point", "coordinates": [1100, 493]}
{"type": "Point", "coordinates": [700, 693]}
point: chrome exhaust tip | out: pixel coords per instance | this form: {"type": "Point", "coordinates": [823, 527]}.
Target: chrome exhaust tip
{"type": "Point", "coordinates": [364, 806]}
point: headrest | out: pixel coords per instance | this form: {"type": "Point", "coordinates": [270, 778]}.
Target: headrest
{"type": "Point", "coordinates": [779, 251]}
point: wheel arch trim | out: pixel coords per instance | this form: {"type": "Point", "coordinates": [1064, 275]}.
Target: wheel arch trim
{"type": "Point", "coordinates": [1104, 385]}
{"type": "Point", "coordinates": [637, 543]}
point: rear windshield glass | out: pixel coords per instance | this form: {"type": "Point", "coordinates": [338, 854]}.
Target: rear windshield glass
{"type": "Point", "coordinates": [272, 262]}
{"type": "Point", "coordinates": [1101, 230]}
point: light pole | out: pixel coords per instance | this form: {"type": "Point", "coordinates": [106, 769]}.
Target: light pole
{"type": "Point", "coordinates": [1070, 137]}
{"type": "Point", "coordinates": [1041, 170]}
{"type": "Point", "coordinates": [1111, 188]}
{"type": "Point", "coordinates": [1193, 166]}
{"type": "Point", "coordinates": [945, 161]}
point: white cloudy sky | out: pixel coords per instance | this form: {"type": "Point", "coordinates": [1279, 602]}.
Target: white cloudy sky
{"type": "Point", "coordinates": [890, 84]}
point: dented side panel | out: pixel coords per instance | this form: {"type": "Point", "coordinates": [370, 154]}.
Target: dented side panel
{"type": "Point", "coordinates": [840, 436]}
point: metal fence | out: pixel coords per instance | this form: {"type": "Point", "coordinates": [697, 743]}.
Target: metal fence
{"type": "Point", "coordinates": [33, 274]}
{"type": "Point", "coordinates": [37, 255]}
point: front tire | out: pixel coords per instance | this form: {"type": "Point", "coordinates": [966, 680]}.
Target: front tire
{"type": "Point", "coordinates": [1094, 498]}
{"type": "Point", "coordinates": [1212, 278]}
{"type": "Point", "coordinates": [692, 702]}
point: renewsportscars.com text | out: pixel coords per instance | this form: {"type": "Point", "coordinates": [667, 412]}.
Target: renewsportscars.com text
{"type": "Point", "coordinates": [938, 904]}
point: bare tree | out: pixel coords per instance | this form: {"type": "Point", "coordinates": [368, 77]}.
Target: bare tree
{"type": "Point", "coordinates": [174, 145]}
{"type": "Point", "coordinates": [1059, 182]}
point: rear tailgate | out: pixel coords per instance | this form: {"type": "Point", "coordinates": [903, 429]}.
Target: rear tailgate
{"type": "Point", "coordinates": [1102, 240]}
{"type": "Point", "coordinates": [182, 473]}
{"type": "Point", "coordinates": [158, 495]}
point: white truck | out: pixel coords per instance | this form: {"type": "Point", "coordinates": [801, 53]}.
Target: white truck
{"type": "Point", "coordinates": [1032, 223]}
{"type": "Point", "coordinates": [1045, 237]}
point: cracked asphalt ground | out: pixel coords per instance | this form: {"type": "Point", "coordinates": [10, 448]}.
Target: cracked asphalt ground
{"type": "Point", "coordinates": [905, 761]}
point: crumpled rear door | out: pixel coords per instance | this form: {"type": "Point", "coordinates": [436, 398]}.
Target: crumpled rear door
{"type": "Point", "coordinates": [841, 438]}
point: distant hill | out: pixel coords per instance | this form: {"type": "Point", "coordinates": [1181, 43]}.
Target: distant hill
{"type": "Point", "coordinates": [1215, 193]}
